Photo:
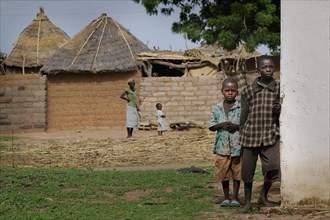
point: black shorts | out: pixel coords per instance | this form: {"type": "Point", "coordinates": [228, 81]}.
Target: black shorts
{"type": "Point", "coordinates": [270, 162]}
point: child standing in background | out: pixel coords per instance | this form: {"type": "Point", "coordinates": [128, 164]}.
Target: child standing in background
{"type": "Point", "coordinates": [162, 125]}
{"type": "Point", "coordinates": [225, 121]}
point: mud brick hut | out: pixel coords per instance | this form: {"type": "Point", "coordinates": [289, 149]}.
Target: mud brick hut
{"type": "Point", "coordinates": [87, 75]}
{"type": "Point", "coordinates": [2, 60]}
{"type": "Point", "coordinates": [22, 90]}
{"type": "Point", "coordinates": [34, 45]}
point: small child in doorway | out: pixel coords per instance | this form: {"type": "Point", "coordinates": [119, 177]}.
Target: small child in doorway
{"type": "Point", "coordinates": [225, 121]}
{"type": "Point", "coordinates": [162, 125]}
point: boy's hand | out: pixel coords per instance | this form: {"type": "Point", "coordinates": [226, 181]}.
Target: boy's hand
{"type": "Point", "coordinates": [227, 125]}
{"type": "Point", "coordinates": [232, 128]}
{"type": "Point", "coordinates": [223, 125]}
{"type": "Point", "coordinates": [276, 107]}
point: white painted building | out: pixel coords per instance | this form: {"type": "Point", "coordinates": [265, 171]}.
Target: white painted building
{"type": "Point", "coordinates": [305, 155]}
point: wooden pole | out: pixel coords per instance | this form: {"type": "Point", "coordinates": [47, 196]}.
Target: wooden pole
{"type": "Point", "coordinates": [23, 65]}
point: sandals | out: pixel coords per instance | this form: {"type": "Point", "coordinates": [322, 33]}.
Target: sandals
{"type": "Point", "coordinates": [232, 203]}
{"type": "Point", "coordinates": [235, 203]}
{"type": "Point", "coordinates": [225, 203]}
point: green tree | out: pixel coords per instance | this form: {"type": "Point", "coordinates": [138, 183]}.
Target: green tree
{"type": "Point", "coordinates": [223, 22]}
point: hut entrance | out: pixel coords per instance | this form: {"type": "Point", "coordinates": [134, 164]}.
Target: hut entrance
{"type": "Point", "coordinates": [165, 70]}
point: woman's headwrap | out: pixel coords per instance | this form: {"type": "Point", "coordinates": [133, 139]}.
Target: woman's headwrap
{"type": "Point", "coordinates": [130, 81]}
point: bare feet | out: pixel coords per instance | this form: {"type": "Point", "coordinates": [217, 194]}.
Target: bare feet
{"type": "Point", "coordinates": [246, 208]}
{"type": "Point", "coordinates": [266, 202]}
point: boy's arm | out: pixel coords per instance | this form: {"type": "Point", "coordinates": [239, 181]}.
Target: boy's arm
{"type": "Point", "coordinates": [213, 121]}
{"type": "Point", "coordinates": [232, 127]}
{"type": "Point", "coordinates": [244, 112]}
{"type": "Point", "coordinates": [214, 125]}
{"type": "Point", "coordinates": [223, 125]}
{"type": "Point", "coordinates": [277, 104]}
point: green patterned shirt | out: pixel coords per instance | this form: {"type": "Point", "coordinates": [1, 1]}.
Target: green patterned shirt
{"type": "Point", "coordinates": [226, 143]}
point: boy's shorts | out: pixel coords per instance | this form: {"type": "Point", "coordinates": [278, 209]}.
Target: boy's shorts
{"type": "Point", "coordinates": [227, 167]}
{"type": "Point", "coordinates": [270, 162]}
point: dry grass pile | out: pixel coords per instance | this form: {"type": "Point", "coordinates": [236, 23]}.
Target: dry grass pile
{"type": "Point", "coordinates": [186, 148]}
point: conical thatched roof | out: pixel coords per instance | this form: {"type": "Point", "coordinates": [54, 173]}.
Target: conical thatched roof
{"type": "Point", "coordinates": [103, 46]}
{"type": "Point", "coordinates": [36, 43]}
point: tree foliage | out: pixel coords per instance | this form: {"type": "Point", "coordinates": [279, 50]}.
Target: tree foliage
{"type": "Point", "coordinates": [223, 22]}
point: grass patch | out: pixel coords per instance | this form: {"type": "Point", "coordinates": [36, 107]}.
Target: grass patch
{"type": "Point", "coordinates": [258, 173]}
{"type": "Point", "coordinates": [67, 193]}
{"type": "Point", "coordinates": [2, 145]}
{"type": "Point", "coordinates": [7, 138]}
{"type": "Point", "coordinates": [9, 145]}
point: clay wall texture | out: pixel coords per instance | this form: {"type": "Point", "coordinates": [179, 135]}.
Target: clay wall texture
{"type": "Point", "coordinates": [184, 99]}
{"type": "Point", "coordinates": [23, 102]}
{"type": "Point", "coordinates": [78, 101]}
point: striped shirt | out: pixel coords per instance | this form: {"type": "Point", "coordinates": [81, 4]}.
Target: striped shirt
{"type": "Point", "coordinates": [258, 124]}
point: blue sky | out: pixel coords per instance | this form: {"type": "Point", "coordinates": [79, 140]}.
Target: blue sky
{"type": "Point", "coordinates": [72, 16]}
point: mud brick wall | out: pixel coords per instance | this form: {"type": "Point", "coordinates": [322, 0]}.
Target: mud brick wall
{"type": "Point", "coordinates": [184, 99]}
{"type": "Point", "coordinates": [78, 101]}
{"type": "Point", "coordinates": [22, 102]}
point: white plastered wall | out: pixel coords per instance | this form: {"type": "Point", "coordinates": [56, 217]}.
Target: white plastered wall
{"type": "Point", "coordinates": [305, 155]}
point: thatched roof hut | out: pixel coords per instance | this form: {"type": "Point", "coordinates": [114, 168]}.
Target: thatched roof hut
{"type": "Point", "coordinates": [86, 76]}
{"type": "Point", "coordinates": [103, 46]}
{"type": "Point", "coordinates": [36, 43]}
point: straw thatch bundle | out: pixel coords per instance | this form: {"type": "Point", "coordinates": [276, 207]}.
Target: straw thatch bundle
{"type": "Point", "coordinates": [36, 43]}
{"type": "Point", "coordinates": [103, 46]}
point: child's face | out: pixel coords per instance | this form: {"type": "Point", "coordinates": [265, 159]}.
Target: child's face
{"type": "Point", "coordinates": [266, 68]}
{"type": "Point", "coordinates": [159, 107]}
{"type": "Point", "coordinates": [131, 84]}
{"type": "Point", "coordinates": [229, 91]}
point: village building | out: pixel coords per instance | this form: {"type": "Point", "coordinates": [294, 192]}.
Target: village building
{"type": "Point", "coordinates": [22, 90]}
{"type": "Point", "coordinates": [188, 83]}
{"type": "Point", "coordinates": [87, 75]}
{"type": "Point", "coordinates": [80, 83]}
{"type": "Point", "coordinates": [2, 60]}
{"type": "Point", "coordinates": [305, 142]}
{"type": "Point", "coordinates": [35, 44]}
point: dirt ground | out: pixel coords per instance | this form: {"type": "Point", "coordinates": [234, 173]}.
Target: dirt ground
{"type": "Point", "coordinates": [84, 134]}
{"type": "Point", "coordinates": [102, 149]}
